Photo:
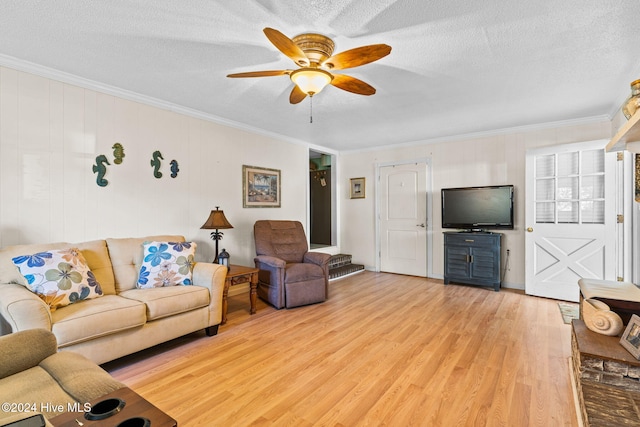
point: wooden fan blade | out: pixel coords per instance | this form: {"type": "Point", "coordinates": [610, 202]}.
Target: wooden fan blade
{"type": "Point", "coordinates": [353, 85]}
{"type": "Point", "coordinates": [261, 73]}
{"type": "Point", "coordinates": [358, 56]}
{"type": "Point", "coordinates": [287, 46]}
{"type": "Point", "coordinates": [297, 95]}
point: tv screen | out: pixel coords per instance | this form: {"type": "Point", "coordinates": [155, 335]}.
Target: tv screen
{"type": "Point", "coordinates": [478, 208]}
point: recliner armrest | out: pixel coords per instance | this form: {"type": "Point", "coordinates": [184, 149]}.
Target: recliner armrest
{"type": "Point", "coordinates": [269, 261]}
{"type": "Point", "coordinates": [318, 258]}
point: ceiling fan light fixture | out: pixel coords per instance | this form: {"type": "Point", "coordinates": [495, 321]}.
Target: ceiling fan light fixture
{"type": "Point", "coordinates": [311, 80]}
{"type": "Point", "coordinates": [314, 54]}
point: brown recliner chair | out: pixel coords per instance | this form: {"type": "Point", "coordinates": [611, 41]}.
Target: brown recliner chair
{"type": "Point", "coordinates": [290, 275]}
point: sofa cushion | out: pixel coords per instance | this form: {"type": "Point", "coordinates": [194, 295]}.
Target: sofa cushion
{"type": "Point", "coordinates": [126, 258]}
{"type": "Point", "coordinates": [95, 253]}
{"type": "Point", "coordinates": [167, 301]}
{"type": "Point", "coordinates": [91, 319]}
{"type": "Point", "coordinates": [59, 277]}
{"type": "Point", "coordinates": [166, 264]}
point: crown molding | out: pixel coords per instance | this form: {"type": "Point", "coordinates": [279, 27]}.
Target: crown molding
{"type": "Point", "coordinates": [72, 79]}
{"type": "Point", "coordinates": [489, 133]}
{"type": "Point", "coordinates": [64, 77]}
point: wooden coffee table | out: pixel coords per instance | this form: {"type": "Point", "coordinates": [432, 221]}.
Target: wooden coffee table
{"type": "Point", "coordinates": [135, 406]}
{"type": "Point", "coordinates": [236, 275]}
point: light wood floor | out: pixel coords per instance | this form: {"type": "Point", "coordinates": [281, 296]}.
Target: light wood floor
{"type": "Point", "coordinates": [384, 350]}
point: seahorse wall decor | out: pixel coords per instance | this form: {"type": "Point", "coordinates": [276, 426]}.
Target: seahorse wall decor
{"type": "Point", "coordinates": [174, 168]}
{"type": "Point", "coordinates": [101, 170]}
{"type": "Point", "coordinates": [155, 164]}
{"type": "Point", "coordinates": [118, 153]}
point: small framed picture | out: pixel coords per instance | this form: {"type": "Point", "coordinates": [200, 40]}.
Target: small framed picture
{"type": "Point", "coordinates": [357, 188]}
{"type": "Point", "coordinates": [631, 337]}
{"type": "Point", "coordinates": [260, 187]}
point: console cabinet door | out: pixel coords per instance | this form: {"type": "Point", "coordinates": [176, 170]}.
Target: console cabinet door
{"type": "Point", "coordinates": [472, 258]}
{"type": "Point", "coordinates": [483, 263]}
{"type": "Point", "coordinates": [457, 261]}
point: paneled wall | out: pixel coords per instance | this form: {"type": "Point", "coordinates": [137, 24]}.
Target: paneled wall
{"type": "Point", "coordinates": [493, 160]}
{"type": "Point", "coordinates": [52, 132]}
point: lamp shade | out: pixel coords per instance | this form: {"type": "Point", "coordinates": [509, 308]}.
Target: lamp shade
{"type": "Point", "coordinates": [216, 221]}
{"type": "Point", "coordinates": [311, 80]}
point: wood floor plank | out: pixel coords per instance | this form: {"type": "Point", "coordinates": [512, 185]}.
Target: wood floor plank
{"type": "Point", "coordinates": [384, 350]}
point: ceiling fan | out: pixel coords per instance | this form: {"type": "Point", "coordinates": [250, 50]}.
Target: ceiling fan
{"type": "Point", "coordinates": [313, 54]}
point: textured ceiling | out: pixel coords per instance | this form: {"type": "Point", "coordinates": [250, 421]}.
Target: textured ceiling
{"type": "Point", "coordinates": [457, 66]}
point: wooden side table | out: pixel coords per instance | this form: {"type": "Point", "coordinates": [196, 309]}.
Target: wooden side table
{"type": "Point", "coordinates": [236, 275]}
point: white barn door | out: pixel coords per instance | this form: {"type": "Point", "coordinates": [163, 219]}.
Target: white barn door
{"type": "Point", "coordinates": [570, 218]}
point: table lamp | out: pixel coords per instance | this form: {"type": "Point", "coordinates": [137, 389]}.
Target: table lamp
{"type": "Point", "coordinates": [216, 221]}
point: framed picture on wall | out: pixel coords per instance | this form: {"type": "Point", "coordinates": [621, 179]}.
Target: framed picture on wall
{"type": "Point", "coordinates": [631, 337]}
{"type": "Point", "coordinates": [260, 187]}
{"type": "Point", "coordinates": [357, 188]}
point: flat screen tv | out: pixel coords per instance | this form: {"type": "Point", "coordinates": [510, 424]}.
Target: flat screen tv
{"type": "Point", "coordinates": [478, 208]}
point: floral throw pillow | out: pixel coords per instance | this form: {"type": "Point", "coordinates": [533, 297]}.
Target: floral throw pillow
{"type": "Point", "coordinates": [59, 277]}
{"type": "Point", "coordinates": [166, 264]}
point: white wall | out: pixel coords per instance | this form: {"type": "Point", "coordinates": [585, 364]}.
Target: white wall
{"type": "Point", "coordinates": [490, 160]}
{"type": "Point", "coordinates": [51, 133]}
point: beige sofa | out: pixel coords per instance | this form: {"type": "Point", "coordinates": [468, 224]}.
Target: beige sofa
{"type": "Point", "coordinates": [35, 378]}
{"type": "Point", "coordinates": [125, 319]}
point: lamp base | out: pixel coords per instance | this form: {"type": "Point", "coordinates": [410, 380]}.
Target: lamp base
{"type": "Point", "coordinates": [216, 236]}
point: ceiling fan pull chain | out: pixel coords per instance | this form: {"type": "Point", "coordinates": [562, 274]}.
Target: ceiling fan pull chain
{"type": "Point", "coordinates": [311, 109]}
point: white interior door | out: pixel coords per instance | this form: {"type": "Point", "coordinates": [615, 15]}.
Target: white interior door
{"type": "Point", "coordinates": [570, 218]}
{"type": "Point", "coordinates": [403, 219]}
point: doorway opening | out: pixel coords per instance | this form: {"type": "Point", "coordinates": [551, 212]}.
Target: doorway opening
{"type": "Point", "coordinates": [322, 215]}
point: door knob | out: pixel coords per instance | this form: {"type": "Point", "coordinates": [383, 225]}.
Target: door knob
{"type": "Point", "coordinates": [420, 225]}
{"type": "Point", "coordinates": [530, 230]}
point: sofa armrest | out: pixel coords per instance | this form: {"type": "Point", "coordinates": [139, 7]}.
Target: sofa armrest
{"type": "Point", "coordinates": [80, 377]}
{"type": "Point", "coordinates": [22, 309]}
{"type": "Point", "coordinates": [25, 349]}
{"type": "Point", "coordinates": [212, 277]}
